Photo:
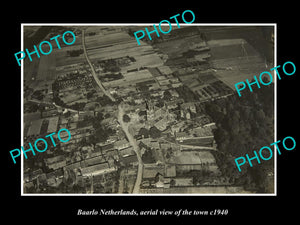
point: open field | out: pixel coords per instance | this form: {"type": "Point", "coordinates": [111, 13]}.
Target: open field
{"type": "Point", "coordinates": [175, 48]}
{"type": "Point", "coordinates": [120, 44]}
{"type": "Point", "coordinates": [235, 60]}
{"type": "Point", "coordinates": [239, 69]}
{"type": "Point", "coordinates": [258, 37]}
{"type": "Point", "coordinates": [237, 49]}
{"type": "Point", "coordinates": [47, 67]}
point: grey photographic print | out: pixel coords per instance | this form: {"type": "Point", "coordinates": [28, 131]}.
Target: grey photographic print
{"type": "Point", "coordinates": [162, 117]}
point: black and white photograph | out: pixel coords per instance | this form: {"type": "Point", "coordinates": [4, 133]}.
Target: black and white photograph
{"type": "Point", "coordinates": [162, 117]}
{"type": "Point", "coordinates": [149, 113]}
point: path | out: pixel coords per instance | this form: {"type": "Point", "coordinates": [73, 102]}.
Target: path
{"type": "Point", "coordinates": [133, 143]}
{"type": "Point", "coordinates": [94, 72]}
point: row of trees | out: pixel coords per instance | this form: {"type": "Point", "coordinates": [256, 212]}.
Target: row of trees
{"type": "Point", "coordinates": [153, 132]}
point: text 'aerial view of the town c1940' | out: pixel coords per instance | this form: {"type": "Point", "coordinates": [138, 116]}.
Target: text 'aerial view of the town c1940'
{"type": "Point", "coordinates": [162, 117]}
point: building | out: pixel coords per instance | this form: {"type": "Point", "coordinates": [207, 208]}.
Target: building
{"type": "Point", "coordinates": [56, 162]}
{"type": "Point", "coordinates": [97, 169]}
{"type": "Point", "coordinates": [170, 170]}
{"type": "Point", "coordinates": [126, 151]}
{"type": "Point", "coordinates": [180, 136]}
{"type": "Point", "coordinates": [121, 144]}
{"type": "Point", "coordinates": [130, 160]}
{"type": "Point", "coordinates": [151, 171]}
{"type": "Point", "coordinates": [92, 161]}
{"type": "Point", "coordinates": [190, 160]}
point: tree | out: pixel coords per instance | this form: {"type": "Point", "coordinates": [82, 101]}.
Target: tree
{"type": "Point", "coordinates": [148, 157]}
{"type": "Point", "coordinates": [221, 135]}
{"type": "Point", "coordinates": [90, 94]}
{"type": "Point", "coordinates": [142, 113]}
{"type": "Point", "coordinates": [154, 132]}
{"type": "Point", "coordinates": [167, 95]}
{"type": "Point", "coordinates": [83, 142]}
{"type": "Point", "coordinates": [172, 183]}
{"type": "Point", "coordinates": [101, 135]}
{"type": "Point", "coordinates": [144, 132]}
{"type": "Point", "coordinates": [260, 115]}
{"type": "Point", "coordinates": [126, 118]}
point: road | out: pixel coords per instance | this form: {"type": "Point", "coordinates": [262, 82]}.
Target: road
{"type": "Point", "coordinates": [124, 126]}
{"type": "Point", "coordinates": [133, 143]}
{"type": "Point", "coordinates": [94, 72]}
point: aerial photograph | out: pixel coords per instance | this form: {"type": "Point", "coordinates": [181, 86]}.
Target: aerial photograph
{"type": "Point", "coordinates": [162, 117]}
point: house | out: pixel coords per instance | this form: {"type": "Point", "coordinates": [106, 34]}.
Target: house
{"type": "Point", "coordinates": [189, 105]}
{"type": "Point", "coordinates": [171, 104]}
{"type": "Point", "coordinates": [170, 170]}
{"type": "Point", "coordinates": [28, 186]}
{"type": "Point", "coordinates": [190, 160]}
{"type": "Point", "coordinates": [154, 144]}
{"type": "Point", "coordinates": [73, 166]}
{"type": "Point", "coordinates": [54, 178]}
{"type": "Point", "coordinates": [28, 177]}
{"type": "Point", "coordinates": [155, 113]}
{"type": "Point", "coordinates": [180, 136]}
{"type": "Point", "coordinates": [105, 148]}
{"type": "Point", "coordinates": [151, 170]}
{"type": "Point", "coordinates": [159, 180]}
{"type": "Point", "coordinates": [58, 165]}
{"type": "Point", "coordinates": [56, 162]}
{"type": "Point", "coordinates": [177, 127]}
{"type": "Point", "coordinates": [121, 144]}
{"type": "Point", "coordinates": [174, 93]}
{"type": "Point", "coordinates": [92, 161]}
{"type": "Point", "coordinates": [176, 85]}
{"type": "Point", "coordinates": [97, 169]}
{"type": "Point", "coordinates": [202, 132]}
{"type": "Point", "coordinates": [161, 124]}
{"type": "Point", "coordinates": [131, 159]}
{"type": "Point", "coordinates": [126, 151]}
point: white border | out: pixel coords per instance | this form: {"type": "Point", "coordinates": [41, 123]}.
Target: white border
{"type": "Point", "coordinates": [150, 24]}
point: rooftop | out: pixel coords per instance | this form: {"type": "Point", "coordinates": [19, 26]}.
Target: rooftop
{"type": "Point", "coordinates": [193, 158]}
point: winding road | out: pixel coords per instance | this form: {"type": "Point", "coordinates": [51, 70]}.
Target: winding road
{"type": "Point", "coordinates": [133, 143]}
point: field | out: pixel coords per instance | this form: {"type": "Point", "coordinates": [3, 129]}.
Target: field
{"type": "Point", "coordinates": [235, 60]}
{"type": "Point", "coordinates": [175, 48]}
{"type": "Point", "coordinates": [258, 37]}
{"type": "Point", "coordinates": [47, 67]}
{"type": "Point", "coordinates": [62, 58]}
{"type": "Point", "coordinates": [118, 44]}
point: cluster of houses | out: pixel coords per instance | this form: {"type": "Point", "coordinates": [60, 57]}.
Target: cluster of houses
{"type": "Point", "coordinates": [183, 143]}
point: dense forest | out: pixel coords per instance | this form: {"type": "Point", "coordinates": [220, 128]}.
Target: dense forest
{"type": "Point", "coordinates": [244, 124]}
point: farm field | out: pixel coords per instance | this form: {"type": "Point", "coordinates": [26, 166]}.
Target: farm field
{"type": "Point", "coordinates": [118, 45]}
{"type": "Point", "coordinates": [235, 60]}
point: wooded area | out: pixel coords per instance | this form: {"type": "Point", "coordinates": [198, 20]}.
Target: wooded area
{"type": "Point", "coordinates": [243, 125]}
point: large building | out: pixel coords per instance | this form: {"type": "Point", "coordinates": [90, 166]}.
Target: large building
{"type": "Point", "coordinates": [194, 160]}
